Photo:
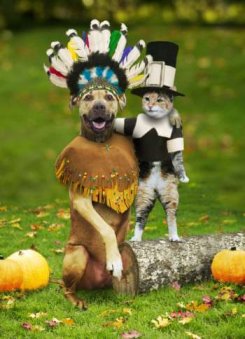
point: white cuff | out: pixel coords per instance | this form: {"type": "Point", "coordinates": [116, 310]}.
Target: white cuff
{"type": "Point", "coordinates": [119, 125]}
{"type": "Point", "coordinates": [175, 145]}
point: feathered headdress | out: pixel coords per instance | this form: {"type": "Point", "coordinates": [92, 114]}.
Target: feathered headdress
{"type": "Point", "coordinates": [98, 59]}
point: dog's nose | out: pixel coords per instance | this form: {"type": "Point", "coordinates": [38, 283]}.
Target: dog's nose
{"type": "Point", "coordinates": [99, 108]}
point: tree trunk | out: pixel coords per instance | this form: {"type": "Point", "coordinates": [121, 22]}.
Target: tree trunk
{"type": "Point", "coordinates": [150, 264]}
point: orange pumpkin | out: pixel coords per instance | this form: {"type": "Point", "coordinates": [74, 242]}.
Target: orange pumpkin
{"type": "Point", "coordinates": [34, 267]}
{"type": "Point", "coordinates": [11, 275]}
{"type": "Point", "coordinates": [229, 266]}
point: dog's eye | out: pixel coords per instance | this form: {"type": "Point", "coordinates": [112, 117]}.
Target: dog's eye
{"type": "Point", "coordinates": [109, 97]}
{"type": "Point", "coordinates": [88, 97]}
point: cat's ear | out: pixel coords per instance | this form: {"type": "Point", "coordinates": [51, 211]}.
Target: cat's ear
{"type": "Point", "coordinates": [122, 100]}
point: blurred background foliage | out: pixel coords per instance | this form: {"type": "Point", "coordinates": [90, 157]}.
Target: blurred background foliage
{"type": "Point", "coordinates": [36, 122]}
{"type": "Point", "coordinates": [20, 13]}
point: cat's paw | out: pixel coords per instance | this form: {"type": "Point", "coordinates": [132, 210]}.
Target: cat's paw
{"type": "Point", "coordinates": [184, 179]}
{"type": "Point", "coordinates": [136, 238]}
{"type": "Point", "coordinates": [174, 238]}
{"type": "Point", "coordinates": [175, 119]}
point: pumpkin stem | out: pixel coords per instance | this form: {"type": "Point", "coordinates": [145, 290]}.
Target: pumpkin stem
{"type": "Point", "coordinates": [233, 248]}
{"type": "Point", "coordinates": [1, 257]}
{"type": "Point", "coordinates": [20, 253]}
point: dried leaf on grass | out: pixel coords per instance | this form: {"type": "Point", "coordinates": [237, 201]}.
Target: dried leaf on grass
{"type": "Point", "coordinates": [161, 322]}
{"type": "Point", "coordinates": [131, 334]}
{"type": "Point", "coordinates": [117, 323]}
{"type": "Point", "coordinates": [192, 335]}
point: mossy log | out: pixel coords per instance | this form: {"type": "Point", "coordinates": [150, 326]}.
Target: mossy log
{"type": "Point", "coordinates": [149, 265]}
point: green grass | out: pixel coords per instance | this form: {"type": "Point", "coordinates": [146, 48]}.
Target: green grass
{"type": "Point", "coordinates": [105, 306]}
{"type": "Point", "coordinates": [35, 126]}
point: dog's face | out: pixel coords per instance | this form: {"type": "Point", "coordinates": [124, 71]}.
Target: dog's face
{"type": "Point", "coordinates": [98, 109]}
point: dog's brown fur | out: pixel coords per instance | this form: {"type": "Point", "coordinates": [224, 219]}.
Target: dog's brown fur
{"type": "Point", "coordinates": [96, 230]}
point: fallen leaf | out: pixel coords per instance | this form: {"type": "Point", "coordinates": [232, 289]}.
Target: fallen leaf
{"type": "Point", "coordinates": [161, 322]}
{"type": "Point", "coordinates": [36, 227]}
{"type": "Point", "coordinates": [63, 213]}
{"type": "Point", "coordinates": [107, 312]}
{"type": "Point", "coordinates": [58, 250]}
{"type": "Point", "coordinates": [181, 314]}
{"type": "Point", "coordinates": [14, 221]}
{"type": "Point", "coordinates": [243, 315]}
{"type": "Point", "coordinates": [185, 320]}
{"type": "Point", "coordinates": [37, 315]}
{"type": "Point", "coordinates": [31, 234]}
{"type": "Point", "coordinates": [37, 328]}
{"type": "Point", "coordinates": [204, 218]}
{"type": "Point", "coordinates": [53, 322]}
{"type": "Point", "coordinates": [194, 306]}
{"type": "Point", "coordinates": [27, 326]}
{"type": "Point", "coordinates": [116, 323]}
{"type": "Point", "coordinates": [68, 321]}
{"type": "Point", "coordinates": [127, 311]}
{"type": "Point", "coordinates": [17, 225]}
{"type": "Point", "coordinates": [3, 208]}
{"type": "Point", "coordinates": [226, 293]}
{"type": "Point", "coordinates": [8, 302]}
{"type": "Point", "coordinates": [207, 300]}
{"type": "Point", "coordinates": [192, 335]}
{"type": "Point", "coordinates": [231, 313]}
{"type": "Point", "coordinates": [131, 334]}
{"type": "Point", "coordinates": [55, 227]}
{"type": "Point", "coordinates": [42, 214]}
{"type": "Point", "coordinates": [181, 305]}
{"type": "Point", "coordinates": [176, 286]}
{"type": "Point", "coordinates": [241, 298]}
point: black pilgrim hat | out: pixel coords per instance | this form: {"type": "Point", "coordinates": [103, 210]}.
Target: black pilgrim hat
{"type": "Point", "coordinates": [161, 71]}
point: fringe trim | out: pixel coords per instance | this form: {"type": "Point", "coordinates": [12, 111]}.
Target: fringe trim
{"type": "Point", "coordinates": [117, 192]}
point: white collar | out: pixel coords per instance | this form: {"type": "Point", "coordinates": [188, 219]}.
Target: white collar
{"type": "Point", "coordinates": [144, 124]}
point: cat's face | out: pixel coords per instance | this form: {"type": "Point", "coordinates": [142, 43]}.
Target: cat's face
{"type": "Point", "coordinates": [156, 105]}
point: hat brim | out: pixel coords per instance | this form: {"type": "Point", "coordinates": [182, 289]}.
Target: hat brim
{"type": "Point", "coordinates": [140, 91]}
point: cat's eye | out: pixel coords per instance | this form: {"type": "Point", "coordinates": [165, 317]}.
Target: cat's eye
{"type": "Point", "coordinates": [147, 99]}
{"type": "Point", "coordinates": [88, 97]}
{"type": "Point", "coordinates": [160, 100]}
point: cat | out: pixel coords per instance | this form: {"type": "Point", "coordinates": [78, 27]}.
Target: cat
{"type": "Point", "coordinates": [158, 140]}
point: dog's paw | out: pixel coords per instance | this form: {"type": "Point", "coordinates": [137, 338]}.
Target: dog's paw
{"type": "Point", "coordinates": [175, 238]}
{"type": "Point", "coordinates": [115, 266]}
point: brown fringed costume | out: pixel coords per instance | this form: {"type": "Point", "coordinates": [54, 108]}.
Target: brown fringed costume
{"type": "Point", "coordinates": [113, 181]}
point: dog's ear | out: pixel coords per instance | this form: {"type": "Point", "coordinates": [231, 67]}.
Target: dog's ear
{"type": "Point", "coordinates": [122, 101]}
{"type": "Point", "coordinates": [74, 101]}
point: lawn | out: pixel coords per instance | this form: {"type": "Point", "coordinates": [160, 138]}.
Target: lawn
{"type": "Point", "coordinates": [36, 124]}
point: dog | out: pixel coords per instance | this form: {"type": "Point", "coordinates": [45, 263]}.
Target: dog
{"type": "Point", "coordinates": [99, 211]}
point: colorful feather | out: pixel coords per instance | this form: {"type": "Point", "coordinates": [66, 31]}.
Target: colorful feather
{"type": "Point", "coordinates": [133, 55]}
{"type": "Point", "coordinates": [139, 67]}
{"type": "Point", "coordinates": [120, 45]}
{"type": "Point", "coordinates": [76, 45]}
{"type": "Point", "coordinates": [137, 80]}
{"type": "Point", "coordinates": [63, 53]}
{"type": "Point", "coordinates": [115, 36]}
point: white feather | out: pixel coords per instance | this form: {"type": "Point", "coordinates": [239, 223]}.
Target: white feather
{"type": "Point", "coordinates": [138, 68]}
{"type": "Point", "coordinates": [133, 55]}
{"type": "Point", "coordinates": [57, 63]}
{"type": "Point", "coordinates": [57, 81]}
{"type": "Point", "coordinates": [120, 48]}
{"type": "Point", "coordinates": [106, 34]}
{"type": "Point", "coordinates": [65, 56]}
{"type": "Point", "coordinates": [124, 29]}
{"type": "Point", "coordinates": [95, 37]}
